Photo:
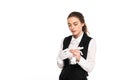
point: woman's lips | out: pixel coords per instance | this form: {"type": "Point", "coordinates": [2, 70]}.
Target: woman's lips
{"type": "Point", "coordinates": [73, 31]}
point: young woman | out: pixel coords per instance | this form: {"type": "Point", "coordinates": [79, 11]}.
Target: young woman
{"type": "Point", "coordinates": [77, 53]}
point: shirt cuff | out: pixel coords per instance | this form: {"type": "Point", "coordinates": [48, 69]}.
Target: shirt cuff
{"type": "Point", "coordinates": [82, 61]}
{"type": "Point", "coordinates": [60, 63]}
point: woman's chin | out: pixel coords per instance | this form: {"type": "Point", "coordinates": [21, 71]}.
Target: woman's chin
{"type": "Point", "coordinates": [74, 34]}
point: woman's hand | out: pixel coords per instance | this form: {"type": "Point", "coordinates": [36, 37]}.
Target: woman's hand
{"type": "Point", "coordinates": [76, 53]}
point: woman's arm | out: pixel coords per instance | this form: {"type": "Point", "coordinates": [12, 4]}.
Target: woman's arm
{"type": "Point", "coordinates": [88, 63]}
{"type": "Point", "coordinates": [59, 60]}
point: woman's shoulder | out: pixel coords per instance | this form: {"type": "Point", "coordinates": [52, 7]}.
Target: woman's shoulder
{"type": "Point", "coordinates": [92, 41]}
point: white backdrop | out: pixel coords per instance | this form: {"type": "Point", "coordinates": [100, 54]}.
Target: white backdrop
{"type": "Point", "coordinates": [31, 32]}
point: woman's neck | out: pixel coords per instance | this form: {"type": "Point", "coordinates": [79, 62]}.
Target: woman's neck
{"type": "Point", "coordinates": [76, 36]}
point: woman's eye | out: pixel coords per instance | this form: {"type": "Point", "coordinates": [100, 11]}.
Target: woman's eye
{"type": "Point", "coordinates": [75, 24]}
{"type": "Point", "coordinates": [69, 25]}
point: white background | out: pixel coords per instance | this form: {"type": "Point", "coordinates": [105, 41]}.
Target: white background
{"type": "Point", "coordinates": [31, 32]}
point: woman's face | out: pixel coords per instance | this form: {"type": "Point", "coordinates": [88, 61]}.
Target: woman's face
{"type": "Point", "coordinates": [75, 26]}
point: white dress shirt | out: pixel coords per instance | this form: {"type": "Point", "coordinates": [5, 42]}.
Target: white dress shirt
{"type": "Point", "coordinates": [88, 63]}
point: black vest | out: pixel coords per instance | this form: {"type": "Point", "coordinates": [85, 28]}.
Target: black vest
{"type": "Point", "coordinates": [74, 72]}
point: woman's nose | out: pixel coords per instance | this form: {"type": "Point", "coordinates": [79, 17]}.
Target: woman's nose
{"type": "Point", "coordinates": [72, 27]}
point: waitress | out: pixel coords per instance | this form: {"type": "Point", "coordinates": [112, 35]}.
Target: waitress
{"type": "Point", "coordinates": [77, 53]}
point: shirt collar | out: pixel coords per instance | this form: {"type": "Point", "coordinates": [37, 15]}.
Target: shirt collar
{"type": "Point", "coordinates": [77, 39]}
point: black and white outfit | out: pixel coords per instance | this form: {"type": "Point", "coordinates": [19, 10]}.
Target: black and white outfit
{"type": "Point", "coordinates": [71, 68]}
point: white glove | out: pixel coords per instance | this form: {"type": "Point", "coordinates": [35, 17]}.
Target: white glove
{"type": "Point", "coordinates": [66, 54]}
{"type": "Point", "coordinates": [80, 48]}
{"type": "Point", "coordinates": [73, 59]}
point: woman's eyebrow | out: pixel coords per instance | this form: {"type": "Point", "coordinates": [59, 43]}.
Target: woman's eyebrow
{"type": "Point", "coordinates": [68, 23]}
{"type": "Point", "coordinates": [75, 22]}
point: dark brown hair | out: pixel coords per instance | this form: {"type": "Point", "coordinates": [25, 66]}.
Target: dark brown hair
{"type": "Point", "coordinates": [81, 18]}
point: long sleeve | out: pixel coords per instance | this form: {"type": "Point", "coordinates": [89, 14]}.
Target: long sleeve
{"type": "Point", "coordinates": [88, 63]}
{"type": "Point", "coordinates": [59, 60]}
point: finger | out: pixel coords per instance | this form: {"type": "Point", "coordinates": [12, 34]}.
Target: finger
{"type": "Point", "coordinates": [71, 50]}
